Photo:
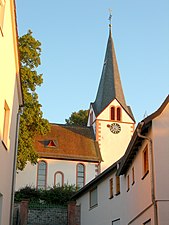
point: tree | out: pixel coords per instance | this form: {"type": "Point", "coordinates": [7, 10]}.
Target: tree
{"type": "Point", "coordinates": [31, 121]}
{"type": "Point", "coordinates": [78, 118]}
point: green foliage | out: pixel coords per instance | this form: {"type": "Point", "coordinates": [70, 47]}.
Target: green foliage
{"type": "Point", "coordinates": [56, 195]}
{"type": "Point", "coordinates": [32, 121]}
{"type": "Point", "coordinates": [78, 118]}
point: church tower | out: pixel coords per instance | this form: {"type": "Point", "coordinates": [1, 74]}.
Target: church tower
{"type": "Point", "coordinates": [112, 120]}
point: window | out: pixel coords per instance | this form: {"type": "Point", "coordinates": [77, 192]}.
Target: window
{"type": "Point", "coordinates": [118, 113]}
{"type": "Point", "coordinates": [128, 183]}
{"type": "Point", "coordinates": [93, 197]}
{"type": "Point", "coordinates": [115, 113]}
{"type": "Point", "coordinates": [116, 222]}
{"type": "Point", "coordinates": [42, 175]}
{"type": "Point", "coordinates": [80, 175]}
{"type": "Point", "coordinates": [6, 124]}
{"type": "Point", "coordinates": [117, 185]}
{"type": "Point", "coordinates": [2, 12]}
{"type": "Point", "coordinates": [111, 187]}
{"type": "Point", "coordinates": [112, 113]}
{"type": "Point", "coordinates": [145, 161]}
{"type": "Point", "coordinates": [59, 179]}
{"type": "Point", "coordinates": [133, 176]}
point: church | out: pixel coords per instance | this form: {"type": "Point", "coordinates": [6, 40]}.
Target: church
{"type": "Point", "coordinates": [76, 155]}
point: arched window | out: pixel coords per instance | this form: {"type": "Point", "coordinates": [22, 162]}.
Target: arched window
{"type": "Point", "coordinates": [112, 113]}
{"type": "Point", "coordinates": [80, 175]}
{"type": "Point", "coordinates": [59, 179]}
{"type": "Point", "coordinates": [42, 175]}
{"type": "Point", "coordinates": [118, 113]}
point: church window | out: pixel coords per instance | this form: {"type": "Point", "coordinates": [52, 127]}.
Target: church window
{"type": "Point", "coordinates": [42, 175]}
{"type": "Point", "coordinates": [80, 175]}
{"type": "Point", "coordinates": [93, 198]}
{"type": "Point", "coordinates": [59, 179]}
{"type": "Point", "coordinates": [6, 123]}
{"type": "Point", "coordinates": [112, 113]}
{"type": "Point", "coordinates": [118, 113]}
{"type": "Point", "coordinates": [115, 113]}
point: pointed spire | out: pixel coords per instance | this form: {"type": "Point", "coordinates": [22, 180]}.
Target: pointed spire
{"type": "Point", "coordinates": [110, 87]}
{"type": "Point", "coordinates": [110, 20]}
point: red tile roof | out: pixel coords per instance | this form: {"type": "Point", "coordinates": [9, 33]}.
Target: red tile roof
{"type": "Point", "coordinates": [68, 142]}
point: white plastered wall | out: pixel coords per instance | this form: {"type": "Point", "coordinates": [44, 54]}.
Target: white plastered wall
{"type": "Point", "coordinates": [28, 177]}
{"type": "Point", "coordinates": [8, 93]}
{"type": "Point", "coordinates": [113, 146]}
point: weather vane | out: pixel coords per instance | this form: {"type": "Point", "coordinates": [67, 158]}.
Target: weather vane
{"type": "Point", "coordinates": [110, 18]}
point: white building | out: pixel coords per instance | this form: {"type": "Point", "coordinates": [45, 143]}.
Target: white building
{"type": "Point", "coordinates": [10, 100]}
{"type": "Point", "coordinates": [134, 190]}
{"type": "Point", "coordinates": [67, 155]}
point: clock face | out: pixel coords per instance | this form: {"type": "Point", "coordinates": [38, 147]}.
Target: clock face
{"type": "Point", "coordinates": [115, 128]}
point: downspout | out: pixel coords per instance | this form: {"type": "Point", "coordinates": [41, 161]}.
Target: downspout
{"type": "Point", "coordinates": [20, 111]}
{"type": "Point", "coordinates": [140, 125]}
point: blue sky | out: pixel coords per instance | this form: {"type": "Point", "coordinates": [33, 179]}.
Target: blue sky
{"type": "Point", "coordinates": [74, 36]}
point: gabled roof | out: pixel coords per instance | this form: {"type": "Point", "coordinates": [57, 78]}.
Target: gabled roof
{"type": "Point", "coordinates": [110, 86]}
{"type": "Point", "coordinates": [136, 141]}
{"type": "Point", "coordinates": [123, 164]}
{"type": "Point", "coordinates": [68, 143]}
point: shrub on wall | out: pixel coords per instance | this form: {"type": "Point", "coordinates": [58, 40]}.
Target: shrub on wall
{"type": "Point", "coordinates": [56, 195]}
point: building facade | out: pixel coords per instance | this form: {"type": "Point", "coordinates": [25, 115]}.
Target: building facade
{"type": "Point", "coordinates": [10, 101]}
{"type": "Point", "coordinates": [134, 189]}
{"type": "Point", "coordinates": [67, 155]}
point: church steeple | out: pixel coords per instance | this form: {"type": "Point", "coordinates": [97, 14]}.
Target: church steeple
{"type": "Point", "coordinates": [110, 87]}
{"type": "Point", "coordinates": [110, 117]}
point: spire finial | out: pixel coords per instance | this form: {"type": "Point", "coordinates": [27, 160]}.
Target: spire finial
{"type": "Point", "coordinates": [110, 18]}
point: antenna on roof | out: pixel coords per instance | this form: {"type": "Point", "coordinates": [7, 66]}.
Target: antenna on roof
{"type": "Point", "coordinates": [110, 18]}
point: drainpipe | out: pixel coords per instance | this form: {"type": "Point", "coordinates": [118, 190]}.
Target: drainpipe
{"type": "Point", "coordinates": [140, 125]}
{"type": "Point", "coordinates": [20, 111]}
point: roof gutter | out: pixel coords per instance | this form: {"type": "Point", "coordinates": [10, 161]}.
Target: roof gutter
{"type": "Point", "coordinates": [139, 129]}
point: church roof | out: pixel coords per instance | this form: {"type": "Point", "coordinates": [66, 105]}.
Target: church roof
{"type": "Point", "coordinates": [68, 143]}
{"type": "Point", "coordinates": [110, 86]}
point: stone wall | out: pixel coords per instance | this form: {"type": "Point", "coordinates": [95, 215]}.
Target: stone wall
{"type": "Point", "coordinates": [47, 216]}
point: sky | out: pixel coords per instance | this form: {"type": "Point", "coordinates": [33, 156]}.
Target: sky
{"type": "Point", "coordinates": [74, 37]}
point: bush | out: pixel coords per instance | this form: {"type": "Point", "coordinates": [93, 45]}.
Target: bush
{"type": "Point", "coordinates": [56, 195]}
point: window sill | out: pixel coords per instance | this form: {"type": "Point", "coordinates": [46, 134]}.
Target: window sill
{"type": "Point", "coordinates": [145, 175]}
{"type": "Point", "coordinates": [111, 197]}
{"type": "Point", "coordinates": [92, 207]}
{"type": "Point", "coordinates": [5, 146]}
{"type": "Point", "coordinates": [117, 193]}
